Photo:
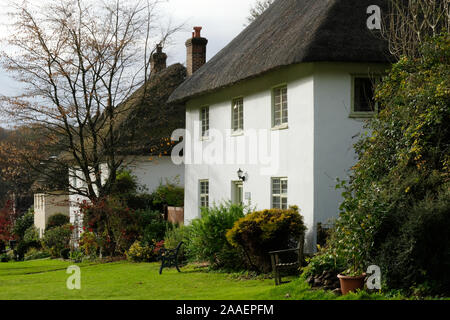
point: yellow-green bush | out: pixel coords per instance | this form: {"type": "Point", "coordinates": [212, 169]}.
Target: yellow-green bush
{"type": "Point", "coordinates": [263, 231]}
{"type": "Point", "coordinates": [139, 252]}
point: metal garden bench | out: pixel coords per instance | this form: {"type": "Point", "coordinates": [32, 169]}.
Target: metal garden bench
{"type": "Point", "coordinates": [169, 258]}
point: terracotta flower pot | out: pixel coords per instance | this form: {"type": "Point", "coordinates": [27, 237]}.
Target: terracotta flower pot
{"type": "Point", "coordinates": [351, 284]}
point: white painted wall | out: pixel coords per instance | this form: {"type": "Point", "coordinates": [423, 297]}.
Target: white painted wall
{"type": "Point", "coordinates": [314, 149]}
{"type": "Point", "coordinates": [335, 132]}
{"type": "Point", "coordinates": [295, 152]}
{"type": "Point", "coordinates": [153, 171]}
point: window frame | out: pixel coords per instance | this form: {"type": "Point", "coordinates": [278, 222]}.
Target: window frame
{"type": "Point", "coordinates": [238, 131]}
{"type": "Point", "coordinates": [202, 195]}
{"type": "Point", "coordinates": [204, 134]}
{"type": "Point", "coordinates": [363, 114]}
{"type": "Point", "coordinates": [280, 195]}
{"type": "Point", "coordinates": [282, 125]}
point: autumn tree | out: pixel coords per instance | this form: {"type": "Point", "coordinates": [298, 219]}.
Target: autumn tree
{"type": "Point", "coordinates": [23, 148]}
{"type": "Point", "coordinates": [78, 61]}
{"type": "Point", "coordinates": [407, 24]}
{"type": "Point", "coordinates": [6, 221]}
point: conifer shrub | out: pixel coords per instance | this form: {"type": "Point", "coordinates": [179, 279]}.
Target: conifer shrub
{"type": "Point", "coordinates": [263, 231]}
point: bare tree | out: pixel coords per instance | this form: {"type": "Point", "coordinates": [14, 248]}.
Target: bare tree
{"type": "Point", "coordinates": [409, 22]}
{"type": "Point", "coordinates": [259, 7]}
{"type": "Point", "coordinates": [79, 60]}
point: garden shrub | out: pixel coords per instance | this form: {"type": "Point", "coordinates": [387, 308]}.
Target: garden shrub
{"type": "Point", "coordinates": [114, 224]}
{"type": "Point", "coordinates": [174, 236]}
{"type": "Point", "coordinates": [57, 239]}
{"type": "Point", "coordinates": [57, 220]}
{"type": "Point", "coordinates": [22, 224]}
{"type": "Point", "coordinates": [31, 237]}
{"type": "Point", "coordinates": [264, 231]}
{"type": "Point", "coordinates": [324, 261]}
{"type": "Point", "coordinates": [153, 226]}
{"type": "Point", "coordinates": [415, 251]}
{"type": "Point", "coordinates": [142, 201]}
{"type": "Point", "coordinates": [117, 227]}
{"type": "Point", "coordinates": [125, 184]}
{"type": "Point", "coordinates": [139, 252]}
{"type": "Point", "coordinates": [89, 244]}
{"type": "Point", "coordinates": [35, 254]}
{"type": "Point", "coordinates": [76, 256]}
{"type": "Point", "coordinates": [169, 194]}
{"type": "Point", "coordinates": [207, 236]}
{"type": "Point", "coordinates": [64, 253]}
{"type": "Point", "coordinates": [4, 257]}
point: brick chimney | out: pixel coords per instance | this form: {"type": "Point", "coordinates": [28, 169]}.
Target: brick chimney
{"type": "Point", "coordinates": [196, 51]}
{"type": "Point", "coordinates": [158, 60]}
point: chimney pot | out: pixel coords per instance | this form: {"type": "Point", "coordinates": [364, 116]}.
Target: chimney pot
{"type": "Point", "coordinates": [196, 51]}
{"type": "Point", "coordinates": [158, 60]}
{"type": "Point", "coordinates": [197, 32]}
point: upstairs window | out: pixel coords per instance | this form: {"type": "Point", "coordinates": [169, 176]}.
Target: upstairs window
{"type": "Point", "coordinates": [280, 106]}
{"type": "Point", "coordinates": [363, 97]}
{"type": "Point", "coordinates": [204, 193]}
{"type": "Point", "coordinates": [237, 118]}
{"type": "Point", "coordinates": [279, 193]}
{"type": "Point", "coordinates": [204, 119]}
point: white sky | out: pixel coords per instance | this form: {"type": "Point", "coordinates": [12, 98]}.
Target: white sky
{"type": "Point", "coordinates": [222, 20]}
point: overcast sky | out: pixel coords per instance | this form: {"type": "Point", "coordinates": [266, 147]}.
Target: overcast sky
{"type": "Point", "coordinates": [221, 20]}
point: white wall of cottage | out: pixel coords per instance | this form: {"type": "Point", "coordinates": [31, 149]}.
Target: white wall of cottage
{"type": "Point", "coordinates": [315, 149]}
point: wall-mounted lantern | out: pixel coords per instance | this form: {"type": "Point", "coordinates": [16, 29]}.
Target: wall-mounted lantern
{"type": "Point", "coordinates": [241, 175]}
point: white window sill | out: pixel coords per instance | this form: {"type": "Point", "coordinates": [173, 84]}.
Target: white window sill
{"type": "Point", "coordinates": [237, 133]}
{"type": "Point", "coordinates": [361, 115]}
{"type": "Point", "coordinates": [283, 126]}
{"type": "Point", "coordinates": [204, 139]}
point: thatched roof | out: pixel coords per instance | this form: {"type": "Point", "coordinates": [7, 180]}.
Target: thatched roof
{"type": "Point", "coordinates": [146, 120]}
{"type": "Point", "coordinates": [290, 32]}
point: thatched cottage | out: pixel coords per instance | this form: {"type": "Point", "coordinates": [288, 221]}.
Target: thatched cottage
{"type": "Point", "coordinates": [276, 112]}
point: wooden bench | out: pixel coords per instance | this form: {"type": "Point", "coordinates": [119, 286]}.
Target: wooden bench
{"type": "Point", "coordinates": [169, 258]}
{"type": "Point", "coordinates": [279, 264]}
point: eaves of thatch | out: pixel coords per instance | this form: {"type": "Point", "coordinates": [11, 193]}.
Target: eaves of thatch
{"type": "Point", "coordinates": [291, 32]}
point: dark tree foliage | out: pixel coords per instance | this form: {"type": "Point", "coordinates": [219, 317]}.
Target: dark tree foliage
{"type": "Point", "coordinates": [396, 208]}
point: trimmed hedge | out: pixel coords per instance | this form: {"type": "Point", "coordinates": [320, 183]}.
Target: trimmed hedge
{"type": "Point", "coordinates": [264, 231]}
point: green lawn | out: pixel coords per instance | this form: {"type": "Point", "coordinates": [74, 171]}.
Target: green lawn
{"type": "Point", "coordinates": [46, 279]}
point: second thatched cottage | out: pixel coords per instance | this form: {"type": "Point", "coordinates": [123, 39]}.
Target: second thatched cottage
{"type": "Point", "coordinates": [272, 118]}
